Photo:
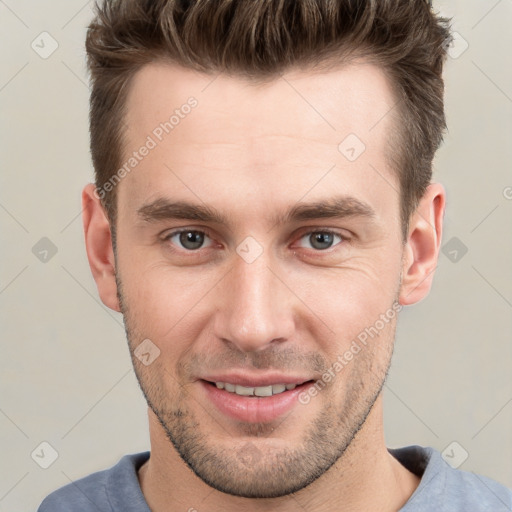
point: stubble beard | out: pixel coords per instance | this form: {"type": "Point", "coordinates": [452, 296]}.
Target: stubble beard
{"type": "Point", "coordinates": [252, 467]}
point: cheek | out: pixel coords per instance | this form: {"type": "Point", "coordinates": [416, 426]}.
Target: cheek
{"type": "Point", "coordinates": [174, 305]}
{"type": "Point", "coordinates": [163, 303]}
{"type": "Point", "coordinates": [351, 298]}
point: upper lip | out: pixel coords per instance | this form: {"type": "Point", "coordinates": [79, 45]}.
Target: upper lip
{"type": "Point", "coordinates": [248, 380]}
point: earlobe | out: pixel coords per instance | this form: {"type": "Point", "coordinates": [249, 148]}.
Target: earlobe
{"type": "Point", "coordinates": [421, 251]}
{"type": "Point", "coordinates": [98, 243]}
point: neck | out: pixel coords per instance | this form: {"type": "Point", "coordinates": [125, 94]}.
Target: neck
{"type": "Point", "coordinates": [366, 477]}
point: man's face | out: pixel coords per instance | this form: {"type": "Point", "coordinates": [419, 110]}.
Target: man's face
{"type": "Point", "coordinates": [260, 298]}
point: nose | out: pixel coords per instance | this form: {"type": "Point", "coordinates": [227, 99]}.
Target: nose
{"type": "Point", "coordinates": [256, 308]}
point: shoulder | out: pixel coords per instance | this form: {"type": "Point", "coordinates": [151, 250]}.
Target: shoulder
{"type": "Point", "coordinates": [99, 490]}
{"type": "Point", "coordinates": [475, 492]}
{"type": "Point", "coordinates": [443, 487]}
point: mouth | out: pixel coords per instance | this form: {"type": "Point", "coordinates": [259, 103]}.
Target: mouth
{"type": "Point", "coordinates": [253, 404]}
{"type": "Point", "coordinates": [257, 391]}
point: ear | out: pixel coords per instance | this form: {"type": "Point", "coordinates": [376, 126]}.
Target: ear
{"type": "Point", "coordinates": [98, 243]}
{"type": "Point", "coordinates": [422, 247]}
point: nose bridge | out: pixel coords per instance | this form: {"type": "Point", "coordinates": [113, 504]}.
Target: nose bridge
{"type": "Point", "coordinates": [256, 308]}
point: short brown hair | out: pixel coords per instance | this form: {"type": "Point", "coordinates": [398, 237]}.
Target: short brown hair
{"type": "Point", "coordinates": [259, 40]}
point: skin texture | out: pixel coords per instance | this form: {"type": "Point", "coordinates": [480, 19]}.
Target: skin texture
{"type": "Point", "coordinates": [252, 152]}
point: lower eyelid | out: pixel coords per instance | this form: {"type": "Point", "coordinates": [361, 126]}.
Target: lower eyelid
{"type": "Point", "coordinates": [169, 236]}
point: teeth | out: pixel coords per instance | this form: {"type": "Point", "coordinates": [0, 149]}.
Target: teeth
{"type": "Point", "coordinates": [242, 390]}
{"type": "Point", "coordinates": [266, 390]}
{"type": "Point", "coordinates": [273, 389]}
{"type": "Point", "coordinates": [277, 388]}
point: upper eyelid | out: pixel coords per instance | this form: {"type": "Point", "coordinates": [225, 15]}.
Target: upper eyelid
{"type": "Point", "coordinates": [309, 230]}
{"type": "Point", "coordinates": [174, 232]}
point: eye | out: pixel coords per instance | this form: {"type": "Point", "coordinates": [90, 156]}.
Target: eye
{"type": "Point", "coordinates": [321, 239]}
{"type": "Point", "coordinates": [189, 239]}
{"type": "Point", "coordinates": [192, 239]}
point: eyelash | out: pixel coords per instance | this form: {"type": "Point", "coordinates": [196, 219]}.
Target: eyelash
{"type": "Point", "coordinates": [343, 237]}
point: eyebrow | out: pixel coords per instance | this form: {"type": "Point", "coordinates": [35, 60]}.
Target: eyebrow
{"type": "Point", "coordinates": [338, 207]}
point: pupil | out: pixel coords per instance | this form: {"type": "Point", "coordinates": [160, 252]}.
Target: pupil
{"type": "Point", "coordinates": [191, 239]}
{"type": "Point", "coordinates": [321, 240]}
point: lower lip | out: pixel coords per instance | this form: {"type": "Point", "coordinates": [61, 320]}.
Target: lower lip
{"type": "Point", "coordinates": [252, 409]}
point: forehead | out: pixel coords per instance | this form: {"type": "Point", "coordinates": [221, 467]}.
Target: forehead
{"type": "Point", "coordinates": [283, 135]}
{"type": "Point", "coordinates": [323, 103]}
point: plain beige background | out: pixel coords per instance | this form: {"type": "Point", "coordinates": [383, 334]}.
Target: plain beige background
{"type": "Point", "coordinates": [66, 375]}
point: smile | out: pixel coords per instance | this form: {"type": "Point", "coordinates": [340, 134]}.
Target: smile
{"type": "Point", "coordinates": [253, 404]}
{"type": "Point", "coordinates": [273, 389]}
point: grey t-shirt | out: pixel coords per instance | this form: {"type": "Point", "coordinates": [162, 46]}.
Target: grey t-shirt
{"type": "Point", "coordinates": [442, 488]}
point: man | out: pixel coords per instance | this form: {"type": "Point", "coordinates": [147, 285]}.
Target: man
{"type": "Point", "coordinates": [263, 201]}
